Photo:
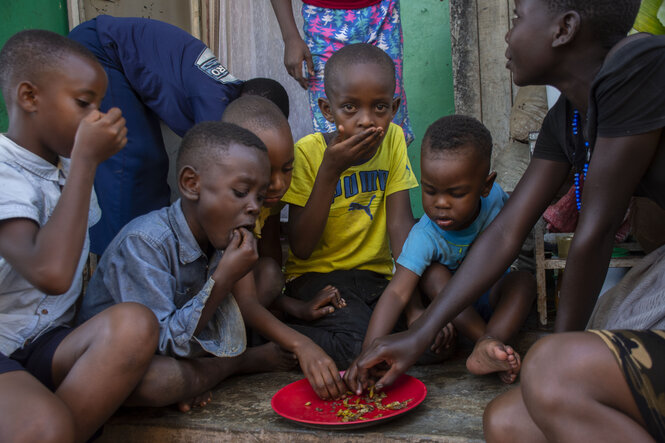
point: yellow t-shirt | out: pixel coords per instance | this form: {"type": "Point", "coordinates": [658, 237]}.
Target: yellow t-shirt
{"type": "Point", "coordinates": [356, 235]}
{"type": "Point", "coordinates": [263, 216]}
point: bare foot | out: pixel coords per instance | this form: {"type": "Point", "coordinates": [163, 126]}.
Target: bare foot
{"type": "Point", "coordinates": [267, 358]}
{"type": "Point", "coordinates": [510, 375]}
{"type": "Point", "coordinates": [490, 355]}
{"type": "Point", "coordinates": [198, 401]}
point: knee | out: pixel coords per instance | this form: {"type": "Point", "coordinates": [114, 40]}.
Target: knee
{"type": "Point", "coordinates": [498, 422]}
{"type": "Point", "coordinates": [51, 421]}
{"type": "Point", "coordinates": [435, 277]}
{"type": "Point", "coordinates": [545, 374]}
{"type": "Point", "coordinates": [133, 328]}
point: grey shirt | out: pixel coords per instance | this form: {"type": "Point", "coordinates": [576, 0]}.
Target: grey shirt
{"type": "Point", "coordinates": [30, 188]}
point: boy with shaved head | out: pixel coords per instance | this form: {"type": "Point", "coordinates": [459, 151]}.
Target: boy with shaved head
{"type": "Point", "coordinates": [183, 262]}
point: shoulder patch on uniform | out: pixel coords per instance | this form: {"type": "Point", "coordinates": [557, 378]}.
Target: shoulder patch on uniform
{"type": "Point", "coordinates": [208, 63]}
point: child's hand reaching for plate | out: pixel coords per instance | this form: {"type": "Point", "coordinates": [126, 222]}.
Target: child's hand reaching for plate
{"type": "Point", "coordinates": [321, 371]}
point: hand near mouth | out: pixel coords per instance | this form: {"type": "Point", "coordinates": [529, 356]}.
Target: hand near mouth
{"type": "Point", "coordinates": [239, 257]}
{"type": "Point", "coordinates": [344, 153]}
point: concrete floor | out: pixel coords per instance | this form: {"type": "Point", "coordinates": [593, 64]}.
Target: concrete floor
{"type": "Point", "coordinates": [240, 410]}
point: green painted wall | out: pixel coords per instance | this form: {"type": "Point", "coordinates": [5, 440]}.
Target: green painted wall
{"type": "Point", "coordinates": [428, 77]}
{"type": "Point", "coordinates": [27, 14]}
{"type": "Point", "coordinates": [427, 59]}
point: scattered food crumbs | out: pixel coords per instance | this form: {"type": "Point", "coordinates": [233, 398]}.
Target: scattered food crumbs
{"type": "Point", "coordinates": [354, 409]}
{"type": "Point", "coordinates": [309, 403]}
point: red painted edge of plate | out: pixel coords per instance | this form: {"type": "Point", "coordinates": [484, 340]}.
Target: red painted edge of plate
{"type": "Point", "coordinates": [418, 388]}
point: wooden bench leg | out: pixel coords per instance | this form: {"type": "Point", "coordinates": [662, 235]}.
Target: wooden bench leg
{"type": "Point", "coordinates": [541, 283]}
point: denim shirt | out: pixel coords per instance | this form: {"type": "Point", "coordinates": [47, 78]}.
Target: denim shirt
{"type": "Point", "coordinates": [30, 188]}
{"type": "Point", "coordinates": [155, 260]}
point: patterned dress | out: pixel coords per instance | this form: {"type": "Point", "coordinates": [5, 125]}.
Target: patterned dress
{"type": "Point", "coordinates": [327, 30]}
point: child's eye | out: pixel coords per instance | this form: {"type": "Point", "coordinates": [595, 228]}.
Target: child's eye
{"type": "Point", "coordinates": [239, 194]}
{"type": "Point", "coordinates": [429, 191]}
{"type": "Point", "coordinates": [287, 169]}
{"type": "Point", "coordinates": [348, 107]}
{"type": "Point", "coordinates": [82, 103]}
{"type": "Point", "coordinates": [382, 107]}
{"type": "Point", "coordinates": [458, 194]}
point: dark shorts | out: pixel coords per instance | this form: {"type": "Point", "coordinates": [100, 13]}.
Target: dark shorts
{"type": "Point", "coordinates": [641, 357]}
{"type": "Point", "coordinates": [341, 333]}
{"type": "Point", "coordinates": [9, 365]}
{"type": "Point", "coordinates": [37, 356]}
{"type": "Point", "coordinates": [483, 306]}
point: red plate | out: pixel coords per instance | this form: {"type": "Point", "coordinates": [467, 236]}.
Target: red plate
{"type": "Point", "coordinates": [291, 402]}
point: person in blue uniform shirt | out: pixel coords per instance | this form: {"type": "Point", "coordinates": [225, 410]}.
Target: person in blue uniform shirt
{"type": "Point", "coordinates": [156, 71]}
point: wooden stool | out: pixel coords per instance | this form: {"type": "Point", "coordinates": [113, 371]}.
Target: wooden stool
{"type": "Point", "coordinates": [543, 264]}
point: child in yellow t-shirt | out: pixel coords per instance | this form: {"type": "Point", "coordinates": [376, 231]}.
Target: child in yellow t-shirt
{"type": "Point", "coordinates": [349, 199]}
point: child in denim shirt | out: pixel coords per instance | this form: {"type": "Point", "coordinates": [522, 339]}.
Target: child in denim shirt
{"type": "Point", "coordinates": [171, 260]}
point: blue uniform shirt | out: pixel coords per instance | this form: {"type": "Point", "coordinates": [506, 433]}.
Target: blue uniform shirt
{"type": "Point", "coordinates": [173, 73]}
{"type": "Point", "coordinates": [156, 71]}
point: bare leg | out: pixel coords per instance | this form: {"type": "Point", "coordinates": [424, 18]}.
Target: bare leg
{"type": "Point", "coordinates": [432, 282]}
{"type": "Point", "coordinates": [467, 322]}
{"type": "Point", "coordinates": [269, 280]}
{"type": "Point", "coordinates": [574, 390]}
{"type": "Point", "coordinates": [188, 381]}
{"type": "Point", "coordinates": [100, 362]}
{"type": "Point", "coordinates": [506, 420]}
{"type": "Point", "coordinates": [512, 298]}
{"type": "Point", "coordinates": [30, 412]}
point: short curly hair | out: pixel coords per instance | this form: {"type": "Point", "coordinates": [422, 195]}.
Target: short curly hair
{"type": "Point", "coordinates": [458, 134]}
{"type": "Point", "coordinates": [610, 20]}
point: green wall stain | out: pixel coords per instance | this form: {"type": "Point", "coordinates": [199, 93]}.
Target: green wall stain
{"type": "Point", "coordinates": [30, 14]}
{"type": "Point", "coordinates": [428, 76]}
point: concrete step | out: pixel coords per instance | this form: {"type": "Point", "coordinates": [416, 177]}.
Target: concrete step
{"type": "Point", "coordinates": [240, 410]}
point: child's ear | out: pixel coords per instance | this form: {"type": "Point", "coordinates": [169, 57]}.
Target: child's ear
{"type": "Point", "coordinates": [26, 96]}
{"type": "Point", "coordinates": [324, 106]}
{"type": "Point", "coordinates": [568, 26]}
{"type": "Point", "coordinates": [188, 183]}
{"type": "Point", "coordinates": [489, 182]}
{"type": "Point", "coordinates": [396, 103]}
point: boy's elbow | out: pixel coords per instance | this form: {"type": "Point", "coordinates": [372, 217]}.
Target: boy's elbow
{"type": "Point", "coordinates": [53, 280]}
{"type": "Point", "coordinates": [301, 252]}
{"type": "Point", "coordinates": [54, 287]}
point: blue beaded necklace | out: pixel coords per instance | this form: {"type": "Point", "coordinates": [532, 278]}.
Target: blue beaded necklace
{"type": "Point", "coordinates": [579, 179]}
